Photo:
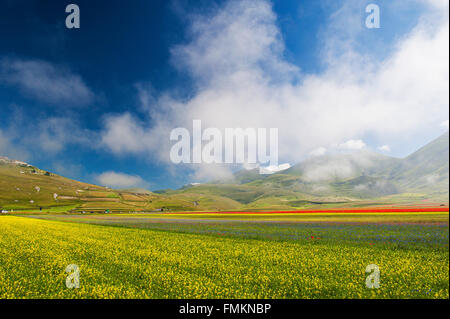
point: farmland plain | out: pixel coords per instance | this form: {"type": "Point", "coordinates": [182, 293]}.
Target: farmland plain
{"type": "Point", "coordinates": [225, 255]}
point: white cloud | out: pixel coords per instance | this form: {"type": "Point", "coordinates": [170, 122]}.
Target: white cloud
{"type": "Point", "coordinates": [274, 168]}
{"type": "Point", "coordinates": [339, 166]}
{"type": "Point", "coordinates": [55, 133]}
{"type": "Point", "coordinates": [440, 4]}
{"type": "Point", "coordinates": [123, 134]}
{"type": "Point", "coordinates": [445, 124]}
{"type": "Point", "coordinates": [9, 148]}
{"type": "Point", "coordinates": [318, 151]}
{"type": "Point", "coordinates": [207, 172]}
{"type": "Point", "coordinates": [45, 82]}
{"type": "Point", "coordinates": [66, 169]}
{"type": "Point", "coordinates": [384, 148]}
{"type": "Point", "coordinates": [41, 138]}
{"type": "Point", "coordinates": [250, 166]}
{"type": "Point", "coordinates": [120, 180]}
{"type": "Point", "coordinates": [240, 39]}
{"type": "Point", "coordinates": [235, 57]}
{"type": "Point", "coordinates": [352, 145]}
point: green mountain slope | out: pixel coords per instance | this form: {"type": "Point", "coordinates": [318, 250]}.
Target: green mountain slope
{"type": "Point", "coordinates": [426, 170]}
{"type": "Point", "coordinates": [24, 187]}
{"type": "Point", "coordinates": [343, 178]}
{"type": "Point", "coordinates": [357, 179]}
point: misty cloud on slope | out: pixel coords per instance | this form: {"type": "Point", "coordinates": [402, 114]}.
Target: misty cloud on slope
{"type": "Point", "coordinates": [338, 166]}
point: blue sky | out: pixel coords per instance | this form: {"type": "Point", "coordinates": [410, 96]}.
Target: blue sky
{"type": "Point", "coordinates": [101, 99]}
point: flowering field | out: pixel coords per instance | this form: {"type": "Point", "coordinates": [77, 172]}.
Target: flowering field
{"type": "Point", "coordinates": [141, 257]}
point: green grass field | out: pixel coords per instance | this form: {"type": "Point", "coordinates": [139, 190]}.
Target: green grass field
{"type": "Point", "coordinates": [216, 256]}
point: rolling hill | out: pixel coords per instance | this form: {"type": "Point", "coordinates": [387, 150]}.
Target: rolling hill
{"type": "Point", "coordinates": [356, 179]}
{"type": "Point", "coordinates": [24, 187]}
{"type": "Point", "coordinates": [360, 178]}
{"type": "Point", "coordinates": [426, 170]}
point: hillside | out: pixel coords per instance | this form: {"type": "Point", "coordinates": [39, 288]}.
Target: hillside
{"type": "Point", "coordinates": [356, 179]}
{"type": "Point", "coordinates": [426, 170]}
{"type": "Point", "coordinates": [24, 187]}
{"type": "Point", "coordinates": [360, 178]}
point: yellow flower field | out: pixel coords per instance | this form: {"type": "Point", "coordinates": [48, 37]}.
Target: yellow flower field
{"type": "Point", "coordinates": [126, 262]}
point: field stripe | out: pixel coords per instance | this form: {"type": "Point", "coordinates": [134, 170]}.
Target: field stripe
{"type": "Point", "coordinates": [345, 211]}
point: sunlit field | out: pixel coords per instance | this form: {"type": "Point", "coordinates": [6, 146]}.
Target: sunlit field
{"type": "Point", "coordinates": [225, 256]}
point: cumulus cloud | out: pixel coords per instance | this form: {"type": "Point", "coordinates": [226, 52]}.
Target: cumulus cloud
{"type": "Point", "coordinates": [384, 148]}
{"type": "Point", "coordinates": [120, 180]}
{"type": "Point", "coordinates": [54, 134]}
{"type": "Point", "coordinates": [318, 151]}
{"type": "Point", "coordinates": [43, 138]}
{"type": "Point", "coordinates": [241, 39]}
{"type": "Point", "coordinates": [46, 82]}
{"type": "Point", "coordinates": [271, 169]}
{"type": "Point", "coordinates": [352, 145]}
{"type": "Point", "coordinates": [124, 134]}
{"type": "Point", "coordinates": [235, 57]}
{"type": "Point", "coordinates": [207, 172]}
{"type": "Point", "coordinates": [9, 148]}
{"type": "Point", "coordinates": [67, 169]}
{"type": "Point", "coordinates": [339, 166]}
{"type": "Point", "coordinates": [441, 4]}
{"type": "Point", "coordinates": [337, 169]}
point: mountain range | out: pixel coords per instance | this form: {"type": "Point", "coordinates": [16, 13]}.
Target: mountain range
{"type": "Point", "coordinates": [335, 180]}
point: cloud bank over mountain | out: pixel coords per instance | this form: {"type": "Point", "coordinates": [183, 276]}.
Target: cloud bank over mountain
{"type": "Point", "coordinates": [235, 57]}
